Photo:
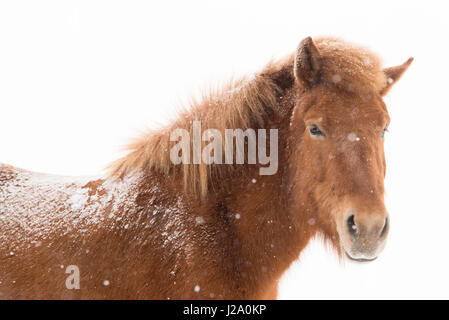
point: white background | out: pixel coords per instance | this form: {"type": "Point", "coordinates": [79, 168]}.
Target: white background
{"type": "Point", "coordinates": [79, 77]}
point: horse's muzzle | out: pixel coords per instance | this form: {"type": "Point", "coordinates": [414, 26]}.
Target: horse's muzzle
{"type": "Point", "coordinates": [363, 236]}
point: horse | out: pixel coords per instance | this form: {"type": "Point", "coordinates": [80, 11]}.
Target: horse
{"type": "Point", "coordinates": [154, 229]}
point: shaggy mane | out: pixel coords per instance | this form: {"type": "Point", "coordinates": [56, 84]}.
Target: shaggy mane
{"type": "Point", "coordinates": [248, 102]}
{"type": "Point", "coordinates": [243, 103]}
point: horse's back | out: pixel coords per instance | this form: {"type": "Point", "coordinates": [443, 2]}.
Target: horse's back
{"type": "Point", "coordinates": [44, 220]}
{"type": "Point", "coordinates": [36, 207]}
{"type": "Point", "coordinates": [48, 223]}
{"type": "Point", "coordinates": [7, 173]}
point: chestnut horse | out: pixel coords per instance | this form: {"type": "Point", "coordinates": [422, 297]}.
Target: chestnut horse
{"type": "Point", "coordinates": [152, 229]}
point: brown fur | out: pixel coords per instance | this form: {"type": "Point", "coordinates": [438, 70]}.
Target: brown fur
{"type": "Point", "coordinates": [227, 257]}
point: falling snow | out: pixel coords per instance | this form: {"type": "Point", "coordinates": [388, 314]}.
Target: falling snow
{"type": "Point", "coordinates": [336, 78]}
{"type": "Point", "coordinates": [199, 220]}
{"type": "Point", "coordinates": [353, 137]}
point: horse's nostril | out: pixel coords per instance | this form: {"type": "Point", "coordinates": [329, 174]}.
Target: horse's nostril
{"type": "Point", "coordinates": [385, 228]}
{"type": "Point", "coordinates": [352, 228]}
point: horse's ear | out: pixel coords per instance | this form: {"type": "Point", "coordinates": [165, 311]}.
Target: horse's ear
{"type": "Point", "coordinates": [307, 67]}
{"type": "Point", "coordinates": [394, 74]}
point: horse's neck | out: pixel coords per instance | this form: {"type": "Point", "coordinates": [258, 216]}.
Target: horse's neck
{"type": "Point", "coordinates": [268, 234]}
{"type": "Point", "coordinates": [265, 236]}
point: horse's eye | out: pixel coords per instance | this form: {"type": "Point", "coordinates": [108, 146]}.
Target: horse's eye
{"type": "Point", "coordinates": [315, 131]}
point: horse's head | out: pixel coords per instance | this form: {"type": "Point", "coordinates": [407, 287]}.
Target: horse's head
{"type": "Point", "coordinates": [341, 121]}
